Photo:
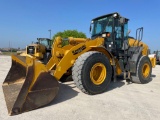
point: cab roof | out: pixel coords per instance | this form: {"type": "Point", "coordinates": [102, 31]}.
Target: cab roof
{"type": "Point", "coordinates": [107, 15]}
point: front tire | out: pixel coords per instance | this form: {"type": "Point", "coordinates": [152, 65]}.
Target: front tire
{"type": "Point", "coordinates": [92, 72]}
{"type": "Point", "coordinates": [47, 57]}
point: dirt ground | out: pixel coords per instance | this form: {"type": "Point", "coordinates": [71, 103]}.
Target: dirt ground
{"type": "Point", "coordinates": [122, 101]}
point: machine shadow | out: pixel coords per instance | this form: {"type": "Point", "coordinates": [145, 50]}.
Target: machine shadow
{"type": "Point", "coordinates": [152, 76]}
{"type": "Point", "coordinates": [66, 92]}
{"type": "Point", "coordinates": [119, 83]}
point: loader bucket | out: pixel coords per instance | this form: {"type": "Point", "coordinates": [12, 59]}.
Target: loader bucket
{"type": "Point", "coordinates": [28, 85]}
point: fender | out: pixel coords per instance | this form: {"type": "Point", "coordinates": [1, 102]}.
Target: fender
{"type": "Point", "coordinates": [114, 62]}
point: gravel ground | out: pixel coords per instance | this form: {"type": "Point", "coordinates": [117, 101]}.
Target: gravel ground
{"type": "Point", "coordinates": [122, 101]}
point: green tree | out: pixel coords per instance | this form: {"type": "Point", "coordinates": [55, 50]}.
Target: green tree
{"type": "Point", "coordinates": [70, 33]}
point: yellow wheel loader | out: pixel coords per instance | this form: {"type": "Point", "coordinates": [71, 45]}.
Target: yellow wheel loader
{"type": "Point", "coordinates": [41, 50]}
{"type": "Point", "coordinates": [91, 62]}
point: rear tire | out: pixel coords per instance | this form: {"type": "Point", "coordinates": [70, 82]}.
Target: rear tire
{"type": "Point", "coordinates": [92, 72]}
{"type": "Point", "coordinates": [144, 70]}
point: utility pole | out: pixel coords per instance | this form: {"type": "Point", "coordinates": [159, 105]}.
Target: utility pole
{"type": "Point", "coordinates": [50, 33]}
{"type": "Point", "coordinates": [10, 47]}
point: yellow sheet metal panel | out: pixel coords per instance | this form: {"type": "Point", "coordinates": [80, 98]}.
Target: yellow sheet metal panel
{"type": "Point", "coordinates": [133, 42]}
{"type": "Point", "coordinates": [19, 59]}
{"type": "Point", "coordinates": [153, 61]}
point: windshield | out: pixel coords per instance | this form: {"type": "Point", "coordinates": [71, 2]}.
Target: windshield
{"type": "Point", "coordinates": [44, 42]}
{"type": "Point", "coordinates": [102, 25]}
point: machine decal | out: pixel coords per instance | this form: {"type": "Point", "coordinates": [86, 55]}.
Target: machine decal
{"type": "Point", "coordinates": [79, 50]}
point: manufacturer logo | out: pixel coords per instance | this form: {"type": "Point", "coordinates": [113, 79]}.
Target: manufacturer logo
{"type": "Point", "coordinates": [79, 50]}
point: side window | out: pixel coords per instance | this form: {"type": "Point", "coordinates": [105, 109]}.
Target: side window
{"type": "Point", "coordinates": [109, 25]}
{"type": "Point", "coordinates": [118, 31]}
{"type": "Point", "coordinates": [125, 30]}
{"type": "Point", "coordinates": [109, 29]}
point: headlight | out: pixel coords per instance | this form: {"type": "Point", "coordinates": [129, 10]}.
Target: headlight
{"type": "Point", "coordinates": [106, 35]}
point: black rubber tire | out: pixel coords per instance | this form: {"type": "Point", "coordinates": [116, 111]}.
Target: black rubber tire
{"type": "Point", "coordinates": [138, 77]}
{"type": "Point", "coordinates": [81, 72]}
{"type": "Point", "coordinates": [47, 57]}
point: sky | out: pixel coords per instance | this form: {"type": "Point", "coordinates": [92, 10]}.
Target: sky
{"type": "Point", "coordinates": [23, 21]}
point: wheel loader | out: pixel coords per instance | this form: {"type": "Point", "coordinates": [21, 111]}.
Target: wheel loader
{"type": "Point", "coordinates": [157, 55]}
{"type": "Point", "coordinates": [41, 50]}
{"type": "Point", "coordinates": [92, 62]}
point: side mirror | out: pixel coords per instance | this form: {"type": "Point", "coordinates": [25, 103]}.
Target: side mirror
{"type": "Point", "coordinates": [122, 20]}
{"type": "Point", "coordinates": [90, 28]}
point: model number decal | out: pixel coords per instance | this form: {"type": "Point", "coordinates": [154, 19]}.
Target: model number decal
{"type": "Point", "coordinates": [79, 50]}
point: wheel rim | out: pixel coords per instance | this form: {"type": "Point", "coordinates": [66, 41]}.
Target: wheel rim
{"type": "Point", "coordinates": [145, 70]}
{"type": "Point", "coordinates": [98, 73]}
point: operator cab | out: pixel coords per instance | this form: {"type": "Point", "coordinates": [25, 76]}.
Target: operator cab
{"type": "Point", "coordinates": [113, 28]}
{"type": "Point", "coordinates": [46, 42]}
